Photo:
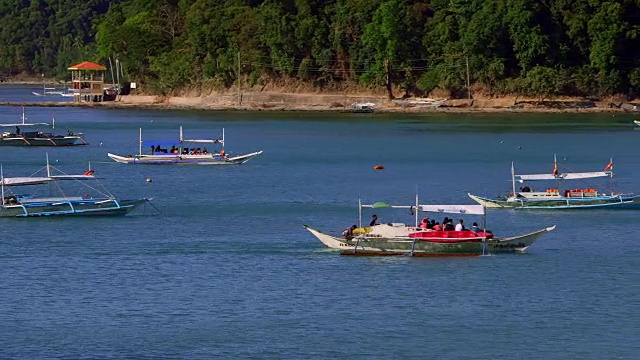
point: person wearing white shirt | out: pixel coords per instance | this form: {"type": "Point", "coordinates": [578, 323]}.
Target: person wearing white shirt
{"type": "Point", "coordinates": [459, 226]}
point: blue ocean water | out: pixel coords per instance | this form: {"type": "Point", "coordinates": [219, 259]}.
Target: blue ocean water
{"type": "Point", "coordinates": [221, 266]}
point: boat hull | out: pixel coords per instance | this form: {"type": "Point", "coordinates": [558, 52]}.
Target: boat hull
{"type": "Point", "coordinates": [175, 159]}
{"type": "Point", "coordinates": [565, 203]}
{"type": "Point", "coordinates": [54, 141]}
{"type": "Point", "coordinates": [428, 247]}
{"type": "Point", "coordinates": [70, 207]}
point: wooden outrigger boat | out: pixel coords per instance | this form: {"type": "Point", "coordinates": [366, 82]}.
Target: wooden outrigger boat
{"type": "Point", "coordinates": [400, 239]}
{"type": "Point", "coordinates": [15, 204]}
{"type": "Point", "coordinates": [182, 155]}
{"type": "Point", "coordinates": [38, 138]}
{"type": "Point", "coordinates": [555, 198]}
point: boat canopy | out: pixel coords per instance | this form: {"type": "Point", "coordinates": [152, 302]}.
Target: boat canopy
{"type": "Point", "coordinates": [31, 180]}
{"type": "Point", "coordinates": [450, 209]}
{"type": "Point", "coordinates": [567, 176]}
{"type": "Point", "coordinates": [454, 209]}
{"type": "Point", "coordinates": [203, 141]}
{"type": "Point", "coordinates": [24, 124]}
{"type": "Point", "coordinates": [73, 177]}
{"type": "Point", "coordinates": [160, 143]}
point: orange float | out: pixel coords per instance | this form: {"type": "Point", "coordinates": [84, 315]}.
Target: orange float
{"type": "Point", "coordinates": [378, 167]}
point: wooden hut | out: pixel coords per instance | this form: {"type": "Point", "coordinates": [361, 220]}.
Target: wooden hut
{"type": "Point", "coordinates": [88, 82]}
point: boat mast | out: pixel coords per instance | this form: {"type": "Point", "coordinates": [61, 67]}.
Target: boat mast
{"type": "Point", "coordinates": [180, 139]}
{"type": "Point", "coordinates": [2, 179]}
{"type": "Point", "coordinates": [416, 208]}
{"type": "Point", "coordinates": [140, 143]}
{"type": "Point", "coordinates": [359, 213]}
{"type": "Point", "coordinates": [48, 170]}
{"type": "Point", "coordinates": [513, 180]}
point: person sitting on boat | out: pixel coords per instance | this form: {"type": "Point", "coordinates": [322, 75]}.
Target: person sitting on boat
{"type": "Point", "coordinates": [449, 225]}
{"type": "Point", "coordinates": [185, 151]}
{"type": "Point", "coordinates": [348, 234]}
{"type": "Point", "coordinates": [204, 151]}
{"type": "Point", "coordinates": [222, 153]}
{"type": "Point", "coordinates": [475, 227]}
{"type": "Point", "coordinates": [17, 130]}
{"type": "Point", "coordinates": [173, 149]}
{"type": "Point", "coordinates": [198, 151]}
{"type": "Point", "coordinates": [437, 227]}
{"type": "Point", "coordinates": [424, 224]}
{"type": "Point", "coordinates": [525, 189]}
{"type": "Point", "coordinates": [374, 220]}
{"type": "Point", "coordinates": [460, 226]}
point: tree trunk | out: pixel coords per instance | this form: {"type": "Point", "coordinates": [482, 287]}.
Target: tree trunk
{"type": "Point", "coordinates": [387, 67]}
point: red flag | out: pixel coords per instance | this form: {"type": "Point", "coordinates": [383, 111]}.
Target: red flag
{"type": "Point", "coordinates": [609, 166]}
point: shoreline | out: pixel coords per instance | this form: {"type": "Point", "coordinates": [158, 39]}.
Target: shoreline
{"type": "Point", "coordinates": [339, 103]}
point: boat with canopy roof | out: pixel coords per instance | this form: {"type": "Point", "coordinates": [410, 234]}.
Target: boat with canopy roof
{"type": "Point", "coordinates": [556, 197]}
{"type": "Point", "coordinates": [19, 137]}
{"type": "Point", "coordinates": [180, 154]}
{"type": "Point", "coordinates": [49, 199]}
{"type": "Point", "coordinates": [412, 240]}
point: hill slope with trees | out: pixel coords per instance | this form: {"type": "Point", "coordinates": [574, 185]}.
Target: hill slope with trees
{"type": "Point", "coordinates": [536, 48]}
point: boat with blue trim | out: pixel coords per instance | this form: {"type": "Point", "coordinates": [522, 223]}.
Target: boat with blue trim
{"type": "Point", "coordinates": [180, 154]}
{"type": "Point", "coordinates": [555, 198]}
{"type": "Point", "coordinates": [51, 200]}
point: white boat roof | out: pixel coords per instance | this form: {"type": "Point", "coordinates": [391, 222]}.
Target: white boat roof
{"type": "Point", "coordinates": [567, 176]}
{"type": "Point", "coordinates": [206, 141]}
{"type": "Point", "coordinates": [31, 180]}
{"type": "Point", "coordinates": [23, 124]}
{"type": "Point", "coordinates": [449, 209]}
{"type": "Point", "coordinates": [453, 209]}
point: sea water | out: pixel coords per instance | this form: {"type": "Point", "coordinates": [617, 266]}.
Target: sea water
{"type": "Point", "coordinates": [219, 266]}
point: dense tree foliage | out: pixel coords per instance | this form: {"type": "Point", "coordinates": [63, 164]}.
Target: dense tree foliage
{"type": "Point", "coordinates": [537, 48]}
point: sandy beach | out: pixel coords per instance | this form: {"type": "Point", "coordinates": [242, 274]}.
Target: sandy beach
{"type": "Point", "coordinates": [339, 102]}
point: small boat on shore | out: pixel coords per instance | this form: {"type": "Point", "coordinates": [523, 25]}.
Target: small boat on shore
{"type": "Point", "coordinates": [38, 138]}
{"type": "Point", "coordinates": [400, 239]}
{"type": "Point", "coordinates": [363, 108]}
{"type": "Point", "coordinates": [554, 198]}
{"type": "Point", "coordinates": [95, 201]}
{"type": "Point", "coordinates": [179, 154]}
{"type": "Point", "coordinates": [637, 122]}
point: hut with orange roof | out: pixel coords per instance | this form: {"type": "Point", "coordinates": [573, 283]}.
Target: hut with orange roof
{"type": "Point", "coordinates": [88, 82]}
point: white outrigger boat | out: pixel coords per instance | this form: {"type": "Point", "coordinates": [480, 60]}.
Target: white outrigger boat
{"type": "Point", "coordinates": [401, 239]}
{"type": "Point", "coordinates": [555, 198]}
{"type": "Point", "coordinates": [637, 122]}
{"type": "Point", "coordinates": [182, 155]}
{"type": "Point", "coordinates": [55, 202]}
{"type": "Point", "coordinates": [38, 138]}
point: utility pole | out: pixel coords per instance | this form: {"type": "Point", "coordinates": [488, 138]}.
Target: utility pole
{"type": "Point", "coordinates": [468, 83]}
{"type": "Point", "coordinates": [239, 95]}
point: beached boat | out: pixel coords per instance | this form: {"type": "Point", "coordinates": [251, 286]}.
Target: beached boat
{"type": "Point", "coordinates": [401, 239]}
{"type": "Point", "coordinates": [51, 200]}
{"type": "Point", "coordinates": [179, 154]}
{"type": "Point", "coordinates": [637, 122]}
{"type": "Point", "coordinates": [556, 198]}
{"type": "Point", "coordinates": [19, 137]}
{"type": "Point", "coordinates": [363, 108]}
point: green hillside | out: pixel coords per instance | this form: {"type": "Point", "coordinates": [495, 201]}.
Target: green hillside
{"type": "Point", "coordinates": [545, 47]}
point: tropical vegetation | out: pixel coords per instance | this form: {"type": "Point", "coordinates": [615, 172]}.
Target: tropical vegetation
{"type": "Point", "coordinates": [542, 47]}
